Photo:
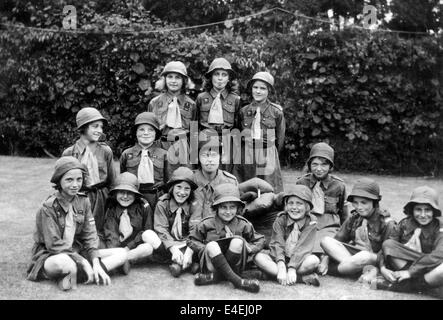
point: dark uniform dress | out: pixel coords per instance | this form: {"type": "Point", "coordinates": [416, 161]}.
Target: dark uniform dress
{"type": "Point", "coordinates": [188, 111]}
{"type": "Point", "coordinates": [49, 233]}
{"type": "Point", "coordinates": [164, 217]}
{"type": "Point", "coordinates": [380, 226]}
{"type": "Point", "coordinates": [213, 229]}
{"type": "Point", "coordinates": [334, 215]}
{"type": "Point", "coordinates": [281, 230]}
{"type": "Point", "coordinates": [130, 160]}
{"type": "Point", "coordinates": [231, 107]}
{"type": "Point", "coordinates": [431, 243]}
{"type": "Point", "coordinates": [99, 192]}
{"type": "Point", "coordinates": [259, 158]}
{"type": "Point", "coordinates": [204, 194]}
{"type": "Point", "coordinates": [141, 218]}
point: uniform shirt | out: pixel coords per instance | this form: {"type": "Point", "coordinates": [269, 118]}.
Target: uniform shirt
{"type": "Point", "coordinates": [213, 229]}
{"type": "Point", "coordinates": [335, 194]}
{"type": "Point", "coordinates": [380, 227]}
{"type": "Point", "coordinates": [104, 156]}
{"type": "Point", "coordinates": [51, 221]}
{"type": "Point", "coordinates": [271, 118]}
{"type": "Point", "coordinates": [431, 240]}
{"type": "Point", "coordinates": [230, 104]}
{"type": "Point", "coordinates": [164, 217]}
{"type": "Point", "coordinates": [282, 228]}
{"type": "Point", "coordinates": [141, 217]}
{"type": "Point", "coordinates": [159, 106]}
{"type": "Point", "coordinates": [204, 194]}
{"type": "Point", "coordinates": [130, 160]}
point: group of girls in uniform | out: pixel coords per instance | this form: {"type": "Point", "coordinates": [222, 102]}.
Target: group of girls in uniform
{"type": "Point", "coordinates": [158, 209]}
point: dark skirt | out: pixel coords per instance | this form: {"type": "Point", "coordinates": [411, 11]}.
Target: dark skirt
{"type": "Point", "coordinates": [395, 249]}
{"type": "Point", "coordinates": [224, 246]}
{"type": "Point", "coordinates": [325, 232]}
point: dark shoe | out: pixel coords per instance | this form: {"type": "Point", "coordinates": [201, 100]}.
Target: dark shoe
{"type": "Point", "coordinates": [383, 284]}
{"type": "Point", "coordinates": [125, 268]}
{"type": "Point", "coordinates": [311, 279]}
{"type": "Point", "coordinates": [175, 270]}
{"type": "Point", "coordinates": [195, 267]}
{"type": "Point", "coordinates": [203, 279]}
{"type": "Point", "coordinates": [65, 283]}
{"type": "Point", "coordinates": [250, 285]}
{"type": "Point", "coordinates": [82, 277]}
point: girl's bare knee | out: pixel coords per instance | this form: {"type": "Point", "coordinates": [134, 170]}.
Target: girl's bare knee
{"type": "Point", "coordinates": [213, 247]}
{"type": "Point", "coordinates": [236, 245]}
{"type": "Point", "coordinates": [60, 264]}
{"type": "Point", "coordinates": [149, 236]}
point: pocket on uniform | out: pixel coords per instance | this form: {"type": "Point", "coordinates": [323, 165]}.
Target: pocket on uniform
{"type": "Point", "coordinates": [158, 168]}
{"type": "Point", "coordinates": [331, 204]}
{"type": "Point", "coordinates": [269, 122]}
{"type": "Point", "coordinates": [229, 112]}
{"type": "Point", "coordinates": [79, 219]}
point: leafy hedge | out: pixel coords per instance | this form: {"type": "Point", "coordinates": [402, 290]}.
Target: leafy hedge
{"type": "Point", "coordinates": [374, 97]}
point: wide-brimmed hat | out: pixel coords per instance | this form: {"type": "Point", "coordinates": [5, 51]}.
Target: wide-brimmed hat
{"type": "Point", "coordinates": [63, 165]}
{"type": "Point", "coordinates": [220, 63]}
{"type": "Point", "coordinates": [299, 191]}
{"type": "Point", "coordinates": [182, 174]}
{"type": "Point", "coordinates": [365, 188]}
{"type": "Point", "coordinates": [423, 195]}
{"type": "Point", "coordinates": [226, 192]}
{"type": "Point", "coordinates": [262, 76]}
{"type": "Point", "coordinates": [88, 115]}
{"type": "Point", "coordinates": [127, 182]}
{"type": "Point", "coordinates": [151, 119]}
{"type": "Point", "coordinates": [322, 150]}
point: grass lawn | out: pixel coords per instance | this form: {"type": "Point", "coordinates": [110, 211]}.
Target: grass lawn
{"type": "Point", "coordinates": [25, 184]}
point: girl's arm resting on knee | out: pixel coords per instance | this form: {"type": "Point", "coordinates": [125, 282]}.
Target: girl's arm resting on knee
{"type": "Point", "coordinates": [255, 242]}
{"type": "Point", "coordinates": [196, 239]}
{"type": "Point", "coordinates": [100, 273]}
{"type": "Point", "coordinates": [281, 273]}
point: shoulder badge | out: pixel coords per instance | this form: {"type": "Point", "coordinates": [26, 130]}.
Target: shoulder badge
{"type": "Point", "coordinates": [186, 106]}
{"type": "Point", "coordinates": [130, 156]}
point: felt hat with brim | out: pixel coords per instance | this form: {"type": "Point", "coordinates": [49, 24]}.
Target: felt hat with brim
{"type": "Point", "coordinates": [423, 195]}
{"type": "Point", "coordinates": [226, 192]}
{"type": "Point", "coordinates": [63, 165]}
{"type": "Point", "coordinates": [175, 66]}
{"type": "Point", "coordinates": [88, 115]}
{"type": "Point", "coordinates": [182, 174]}
{"type": "Point", "coordinates": [127, 182]}
{"type": "Point", "coordinates": [322, 150]}
{"type": "Point", "coordinates": [220, 64]}
{"type": "Point", "coordinates": [365, 188]}
{"type": "Point", "coordinates": [151, 119]}
{"type": "Point", "coordinates": [299, 191]}
{"type": "Point", "coordinates": [262, 76]}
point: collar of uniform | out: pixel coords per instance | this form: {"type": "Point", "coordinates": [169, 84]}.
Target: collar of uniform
{"type": "Point", "coordinates": [173, 206]}
{"type": "Point", "coordinates": [301, 222]}
{"type": "Point", "coordinates": [220, 224]}
{"type": "Point", "coordinates": [224, 93]}
{"type": "Point", "coordinates": [325, 182]}
{"type": "Point", "coordinates": [263, 105]}
{"type": "Point", "coordinates": [426, 231]}
{"type": "Point", "coordinates": [204, 181]}
{"type": "Point", "coordinates": [63, 202]}
{"type": "Point", "coordinates": [80, 146]}
{"type": "Point", "coordinates": [138, 149]}
{"type": "Point", "coordinates": [180, 98]}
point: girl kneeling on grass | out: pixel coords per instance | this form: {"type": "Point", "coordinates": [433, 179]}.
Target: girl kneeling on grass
{"type": "Point", "coordinates": [356, 245]}
{"type": "Point", "coordinates": [413, 256]}
{"type": "Point", "coordinates": [174, 218]}
{"type": "Point", "coordinates": [129, 220]}
{"type": "Point", "coordinates": [65, 234]}
{"type": "Point", "coordinates": [293, 237]}
{"type": "Point", "coordinates": [225, 242]}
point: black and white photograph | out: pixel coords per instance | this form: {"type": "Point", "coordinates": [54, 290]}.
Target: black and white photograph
{"type": "Point", "coordinates": [221, 151]}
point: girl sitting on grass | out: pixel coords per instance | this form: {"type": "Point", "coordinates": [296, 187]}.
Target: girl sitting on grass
{"type": "Point", "coordinates": [412, 258]}
{"type": "Point", "coordinates": [129, 220]}
{"type": "Point", "coordinates": [174, 218]}
{"type": "Point", "coordinates": [358, 242]}
{"type": "Point", "coordinates": [293, 237]}
{"type": "Point", "coordinates": [225, 242]}
{"type": "Point", "coordinates": [66, 238]}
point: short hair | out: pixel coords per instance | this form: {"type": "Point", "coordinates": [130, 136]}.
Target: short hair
{"type": "Point", "coordinates": [171, 193]}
